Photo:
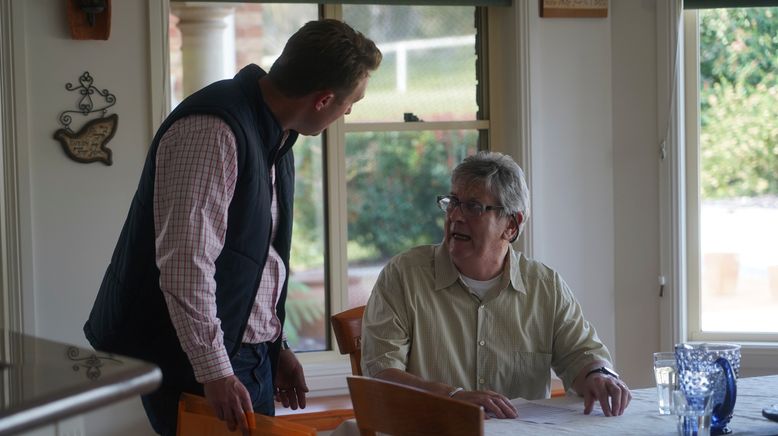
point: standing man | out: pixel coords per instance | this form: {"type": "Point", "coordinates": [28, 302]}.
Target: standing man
{"type": "Point", "coordinates": [197, 282]}
{"type": "Point", "coordinates": [472, 319]}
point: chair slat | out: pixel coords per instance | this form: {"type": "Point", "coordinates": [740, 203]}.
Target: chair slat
{"type": "Point", "coordinates": [347, 326]}
{"type": "Point", "coordinates": [399, 410]}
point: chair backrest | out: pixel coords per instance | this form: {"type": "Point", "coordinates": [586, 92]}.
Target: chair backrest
{"type": "Point", "coordinates": [399, 410]}
{"type": "Point", "coordinates": [195, 417]}
{"type": "Point", "coordinates": [347, 326]}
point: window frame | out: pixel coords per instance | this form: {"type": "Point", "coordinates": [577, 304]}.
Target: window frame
{"type": "Point", "coordinates": [758, 358]}
{"type": "Point", "coordinates": [691, 65]}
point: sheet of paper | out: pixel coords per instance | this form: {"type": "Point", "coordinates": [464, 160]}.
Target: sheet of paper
{"type": "Point", "coordinates": [543, 414]}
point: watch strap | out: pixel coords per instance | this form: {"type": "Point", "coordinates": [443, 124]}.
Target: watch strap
{"type": "Point", "coordinates": [603, 370]}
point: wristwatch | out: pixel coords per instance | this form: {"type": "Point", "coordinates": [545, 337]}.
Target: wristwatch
{"type": "Point", "coordinates": [603, 370]}
{"type": "Point", "coordinates": [285, 345]}
{"type": "Point", "coordinates": [455, 391]}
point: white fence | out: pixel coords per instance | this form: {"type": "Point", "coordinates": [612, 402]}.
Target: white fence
{"type": "Point", "coordinates": [402, 48]}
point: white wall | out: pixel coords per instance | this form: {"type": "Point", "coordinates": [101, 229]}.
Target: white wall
{"type": "Point", "coordinates": [572, 158]}
{"type": "Point", "coordinates": [636, 184]}
{"type": "Point", "coordinates": [595, 171]}
{"type": "Point", "coordinates": [74, 211]}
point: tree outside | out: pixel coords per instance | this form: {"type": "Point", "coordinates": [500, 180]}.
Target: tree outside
{"type": "Point", "coordinates": [739, 114]}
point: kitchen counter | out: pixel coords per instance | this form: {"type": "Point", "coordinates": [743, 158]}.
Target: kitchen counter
{"type": "Point", "coordinates": [43, 381]}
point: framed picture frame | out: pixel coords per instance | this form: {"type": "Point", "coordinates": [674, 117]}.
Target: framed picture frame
{"type": "Point", "coordinates": [573, 8]}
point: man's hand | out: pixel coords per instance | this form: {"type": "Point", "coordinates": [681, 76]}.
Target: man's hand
{"type": "Point", "coordinates": [492, 402]}
{"type": "Point", "coordinates": [612, 393]}
{"type": "Point", "coordinates": [290, 381]}
{"type": "Point", "coordinates": [231, 401]}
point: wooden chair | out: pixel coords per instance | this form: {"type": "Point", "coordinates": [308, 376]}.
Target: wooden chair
{"type": "Point", "coordinates": [392, 408]}
{"type": "Point", "coordinates": [347, 326]}
{"type": "Point", "coordinates": [195, 417]}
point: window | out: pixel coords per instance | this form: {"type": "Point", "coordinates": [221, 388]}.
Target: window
{"type": "Point", "coordinates": [366, 188]}
{"type": "Point", "coordinates": [732, 173]}
{"type": "Point", "coordinates": [418, 120]}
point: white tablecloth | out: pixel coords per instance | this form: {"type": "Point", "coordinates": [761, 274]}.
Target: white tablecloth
{"type": "Point", "coordinates": [640, 418]}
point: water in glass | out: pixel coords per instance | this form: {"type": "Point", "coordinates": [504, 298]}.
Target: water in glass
{"type": "Point", "coordinates": [666, 376]}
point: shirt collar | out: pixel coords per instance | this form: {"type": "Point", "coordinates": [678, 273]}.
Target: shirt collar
{"type": "Point", "coordinates": [446, 273]}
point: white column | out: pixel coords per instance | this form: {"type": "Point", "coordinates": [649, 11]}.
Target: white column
{"type": "Point", "coordinates": [204, 41]}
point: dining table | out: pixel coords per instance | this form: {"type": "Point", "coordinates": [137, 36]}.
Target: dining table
{"type": "Point", "coordinates": [563, 415]}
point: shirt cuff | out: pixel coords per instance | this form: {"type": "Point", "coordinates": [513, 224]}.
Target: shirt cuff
{"type": "Point", "coordinates": [211, 366]}
{"type": "Point", "coordinates": [376, 366]}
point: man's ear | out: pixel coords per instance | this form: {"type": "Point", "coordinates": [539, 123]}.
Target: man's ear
{"type": "Point", "coordinates": [512, 231]}
{"type": "Point", "coordinates": [323, 99]}
{"type": "Point", "coordinates": [519, 219]}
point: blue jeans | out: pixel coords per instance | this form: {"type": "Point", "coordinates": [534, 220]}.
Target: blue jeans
{"type": "Point", "coordinates": [251, 366]}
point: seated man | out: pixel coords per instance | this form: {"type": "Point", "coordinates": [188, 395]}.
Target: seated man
{"type": "Point", "coordinates": [472, 319]}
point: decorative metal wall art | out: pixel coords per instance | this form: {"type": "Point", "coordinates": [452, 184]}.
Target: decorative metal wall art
{"type": "Point", "coordinates": [89, 143]}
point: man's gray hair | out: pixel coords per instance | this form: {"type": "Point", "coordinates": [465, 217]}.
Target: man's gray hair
{"type": "Point", "coordinates": [500, 175]}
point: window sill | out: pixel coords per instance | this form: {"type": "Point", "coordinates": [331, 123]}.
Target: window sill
{"type": "Point", "coordinates": [325, 374]}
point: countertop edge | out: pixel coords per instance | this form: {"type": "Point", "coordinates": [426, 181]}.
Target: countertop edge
{"type": "Point", "coordinates": [68, 404]}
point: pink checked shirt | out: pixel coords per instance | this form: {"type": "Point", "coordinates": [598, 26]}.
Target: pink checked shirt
{"type": "Point", "coordinates": [195, 181]}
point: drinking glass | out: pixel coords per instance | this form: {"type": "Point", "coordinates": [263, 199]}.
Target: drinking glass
{"type": "Point", "coordinates": [693, 412]}
{"type": "Point", "coordinates": [666, 375]}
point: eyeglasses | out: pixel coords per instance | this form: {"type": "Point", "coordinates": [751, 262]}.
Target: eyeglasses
{"type": "Point", "coordinates": [470, 209]}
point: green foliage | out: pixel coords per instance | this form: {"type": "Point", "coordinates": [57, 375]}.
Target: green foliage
{"type": "Point", "coordinates": [392, 182]}
{"type": "Point", "coordinates": [738, 45]}
{"type": "Point", "coordinates": [301, 309]}
{"type": "Point", "coordinates": [739, 134]}
{"type": "Point", "coordinates": [308, 232]}
{"type": "Point", "coordinates": [739, 143]}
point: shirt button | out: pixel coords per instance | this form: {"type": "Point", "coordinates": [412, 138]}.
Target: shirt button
{"type": "Point", "coordinates": [481, 307]}
{"type": "Point", "coordinates": [481, 343]}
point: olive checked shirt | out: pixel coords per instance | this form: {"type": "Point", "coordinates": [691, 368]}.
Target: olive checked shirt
{"type": "Point", "coordinates": [422, 319]}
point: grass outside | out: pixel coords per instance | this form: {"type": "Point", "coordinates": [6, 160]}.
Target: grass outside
{"type": "Point", "coordinates": [441, 85]}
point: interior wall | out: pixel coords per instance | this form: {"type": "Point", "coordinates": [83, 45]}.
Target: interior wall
{"type": "Point", "coordinates": [636, 187]}
{"type": "Point", "coordinates": [77, 209]}
{"type": "Point", "coordinates": [74, 211]}
{"type": "Point", "coordinates": [572, 159]}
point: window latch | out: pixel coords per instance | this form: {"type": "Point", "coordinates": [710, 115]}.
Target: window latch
{"type": "Point", "coordinates": [661, 286]}
{"type": "Point", "coordinates": [410, 117]}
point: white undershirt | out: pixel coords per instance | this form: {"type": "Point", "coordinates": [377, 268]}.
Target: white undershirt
{"type": "Point", "coordinates": [479, 288]}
